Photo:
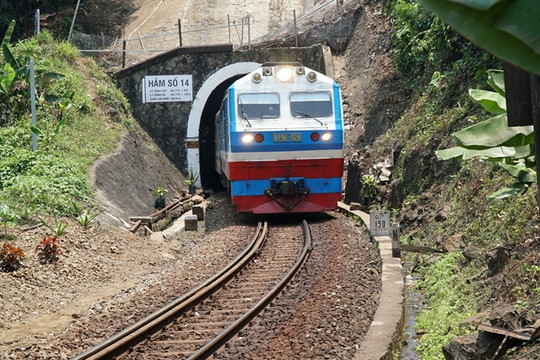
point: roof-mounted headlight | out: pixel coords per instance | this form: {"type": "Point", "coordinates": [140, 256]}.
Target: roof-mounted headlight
{"type": "Point", "coordinates": [284, 74]}
{"type": "Point", "coordinates": [311, 76]}
{"type": "Point", "coordinates": [256, 78]}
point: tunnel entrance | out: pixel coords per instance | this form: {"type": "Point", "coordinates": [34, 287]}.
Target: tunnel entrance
{"type": "Point", "coordinates": [210, 179]}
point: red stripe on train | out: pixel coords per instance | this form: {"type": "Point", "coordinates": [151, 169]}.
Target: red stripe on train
{"type": "Point", "coordinates": [315, 168]}
{"type": "Point", "coordinates": [264, 204]}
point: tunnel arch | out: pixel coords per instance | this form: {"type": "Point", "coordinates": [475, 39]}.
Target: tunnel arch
{"type": "Point", "coordinates": [212, 89]}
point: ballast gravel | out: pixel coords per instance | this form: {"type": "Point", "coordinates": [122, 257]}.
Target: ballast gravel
{"type": "Point", "coordinates": [108, 278]}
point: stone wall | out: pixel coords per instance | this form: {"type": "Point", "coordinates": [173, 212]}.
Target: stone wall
{"type": "Point", "coordinates": [167, 123]}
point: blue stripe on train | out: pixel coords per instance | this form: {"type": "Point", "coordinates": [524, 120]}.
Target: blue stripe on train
{"type": "Point", "coordinates": [258, 187]}
{"type": "Point", "coordinates": [337, 107]}
{"type": "Point", "coordinates": [269, 144]}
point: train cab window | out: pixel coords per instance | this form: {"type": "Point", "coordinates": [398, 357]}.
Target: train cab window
{"type": "Point", "coordinates": [311, 104]}
{"type": "Point", "coordinates": [258, 106]}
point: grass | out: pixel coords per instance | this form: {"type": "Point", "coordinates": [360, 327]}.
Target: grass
{"type": "Point", "coordinates": [47, 180]}
{"type": "Point", "coordinates": [451, 298]}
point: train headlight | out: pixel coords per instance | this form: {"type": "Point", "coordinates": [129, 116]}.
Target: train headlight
{"type": "Point", "coordinates": [247, 138]}
{"type": "Point", "coordinates": [311, 76]}
{"type": "Point", "coordinates": [256, 78]}
{"type": "Point", "coordinates": [284, 74]}
{"type": "Point", "coordinates": [326, 136]}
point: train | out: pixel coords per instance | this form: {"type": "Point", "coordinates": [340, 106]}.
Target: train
{"type": "Point", "coordinates": [279, 141]}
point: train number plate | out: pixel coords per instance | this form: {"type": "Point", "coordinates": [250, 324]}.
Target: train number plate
{"type": "Point", "coordinates": [288, 137]}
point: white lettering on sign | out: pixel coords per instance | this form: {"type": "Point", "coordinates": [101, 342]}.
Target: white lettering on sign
{"type": "Point", "coordinates": [167, 88]}
{"type": "Point", "coordinates": [379, 223]}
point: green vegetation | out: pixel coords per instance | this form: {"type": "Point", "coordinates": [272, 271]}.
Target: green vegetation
{"type": "Point", "coordinates": [160, 198]}
{"type": "Point", "coordinates": [440, 67]}
{"type": "Point", "coordinates": [427, 51]}
{"type": "Point", "coordinates": [492, 140]}
{"type": "Point", "coordinates": [369, 188]}
{"type": "Point", "coordinates": [448, 292]}
{"type": "Point", "coordinates": [84, 218]}
{"type": "Point", "coordinates": [505, 28]}
{"type": "Point", "coordinates": [71, 131]}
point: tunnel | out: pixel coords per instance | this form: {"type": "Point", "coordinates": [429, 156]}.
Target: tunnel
{"type": "Point", "coordinates": [209, 178]}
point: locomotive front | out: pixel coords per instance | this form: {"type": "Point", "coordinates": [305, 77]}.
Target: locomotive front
{"type": "Point", "coordinates": [280, 141]}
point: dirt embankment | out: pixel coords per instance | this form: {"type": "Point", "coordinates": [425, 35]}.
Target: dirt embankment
{"type": "Point", "coordinates": [126, 181]}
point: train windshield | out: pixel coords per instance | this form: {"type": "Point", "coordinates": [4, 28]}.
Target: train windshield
{"type": "Point", "coordinates": [311, 104]}
{"type": "Point", "coordinates": [258, 106]}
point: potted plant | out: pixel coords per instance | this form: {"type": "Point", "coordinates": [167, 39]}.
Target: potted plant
{"type": "Point", "coordinates": [191, 180]}
{"type": "Point", "coordinates": [369, 188]}
{"type": "Point", "coordinates": [160, 198]}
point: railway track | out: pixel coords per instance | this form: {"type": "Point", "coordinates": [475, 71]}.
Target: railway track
{"type": "Point", "coordinates": [198, 323]}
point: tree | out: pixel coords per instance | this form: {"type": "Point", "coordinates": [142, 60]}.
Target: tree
{"type": "Point", "coordinates": [509, 29]}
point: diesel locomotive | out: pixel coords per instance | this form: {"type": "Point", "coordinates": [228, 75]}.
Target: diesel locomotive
{"type": "Point", "coordinates": [279, 141]}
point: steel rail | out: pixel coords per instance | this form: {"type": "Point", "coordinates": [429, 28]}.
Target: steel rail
{"type": "Point", "coordinates": [222, 338]}
{"type": "Point", "coordinates": [135, 333]}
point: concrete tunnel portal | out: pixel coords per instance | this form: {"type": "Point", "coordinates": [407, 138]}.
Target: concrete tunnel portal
{"type": "Point", "coordinates": [201, 123]}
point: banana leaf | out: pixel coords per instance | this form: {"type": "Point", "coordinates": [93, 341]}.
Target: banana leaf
{"type": "Point", "coordinates": [9, 32]}
{"type": "Point", "coordinates": [496, 81]}
{"type": "Point", "coordinates": [509, 191]}
{"type": "Point", "coordinates": [8, 55]}
{"type": "Point", "coordinates": [520, 172]}
{"type": "Point", "coordinates": [493, 102]}
{"type": "Point", "coordinates": [509, 29]}
{"type": "Point", "coordinates": [478, 4]}
{"type": "Point", "coordinates": [494, 132]}
{"type": "Point", "coordinates": [452, 153]}
{"type": "Point", "coordinates": [523, 152]}
{"type": "Point", "coordinates": [7, 77]}
{"type": "Point", "coordinates": [498, 152]}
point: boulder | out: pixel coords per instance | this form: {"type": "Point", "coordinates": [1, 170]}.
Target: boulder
{"type": "Point", "coordinates": [471, 253]}
{"type": "Point", "coordinates": [453, 243]}
{"type": "Point", "coordinates": [505, 316]}
{"type": "Point", "coordinates": [475, 346]}
{"type": "Point", "coordinates": [497, 260]}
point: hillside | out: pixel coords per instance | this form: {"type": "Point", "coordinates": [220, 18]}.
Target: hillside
{"type": "Point", "coordinates": [485, 261]}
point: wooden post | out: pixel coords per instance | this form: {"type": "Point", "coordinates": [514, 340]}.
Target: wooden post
{"type": "Point", "coordinates": [295, 29]}
{"type": "Point", "coordinates": [140, 40]}
{"type": "Point", "coordinates": [38, 20]}
{"type": "Point", "coordinates": [33, 103]}
{"type": "Point", "coordinates": [124, 42]}
{"type": "Point", "coordinates": [180, 31]}
{"type": "Point", "coordinates": [73, 21]}
{"type": "Point", "coordinates": [518, 95]}
{"type": "Point", "coordinates": [535, 100]}
{"type": "Point", "coordinates": [249, 31]}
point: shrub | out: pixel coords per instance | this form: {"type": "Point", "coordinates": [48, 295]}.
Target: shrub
{"type": "Point", "coordinates": [58, 228]}
{"type": "Point", "coordinates": [83, 218]}
{"type": "Point", "coordinates": [10, 257]}
{"type": "Point", "coordinates": [48, 250]}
